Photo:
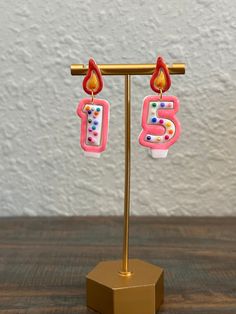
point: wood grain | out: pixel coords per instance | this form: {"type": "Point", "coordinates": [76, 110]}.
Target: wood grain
{"type": "Point", "coordinates": [43, 261]}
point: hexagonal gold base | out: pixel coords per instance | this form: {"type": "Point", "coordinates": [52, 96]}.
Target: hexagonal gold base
{"type": "Point", "coordinates": [108, 292]}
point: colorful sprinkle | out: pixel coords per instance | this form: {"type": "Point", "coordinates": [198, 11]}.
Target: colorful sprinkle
{"type": "Point", "coordinates": [95, 133]}
{"type": "Point", "coordinates": [167, 137]}
{"type": "Point", "coordinates": [89, 111]}
{"type": "Point", "coordinates": [169, 105]}
{"type": "Point", "coordinates": [96, 113]}
{"type": "Point", "coordinates": [161, 121]}
{"type": "Point", "coordinates": [154, 120]}
{"type": "Point", "coordinates": [98, 109]}
{"type": "Point", "coordinates": [90, 130]}
{"type": "Point", "coordinates": [168, 124]}
{"type": "Point", "coordinates": [90, 139]}
{"type": "Point", "coordinates": [92, 109]}
{"type": "Point", "coordinates": [158, 138]}
{"type": "Point", "coordinates": [154, 105]}
{"type": "Point", "coordinates": [148, 137]}
{"type": "Point", "coordinates": [94, 127]}
{"type": "Point", "coordinates": [153, 112]}
{"type": "Point", "coordinates": [170, 131]}
{"type": "Point", "coordinates": [87, 108]}
{"type": "Point", "coordinates": [162, 104]}
{"type": "Point", "coordinates": [89, 120]}
{"type": "Point", "coordinates": [95, 122]}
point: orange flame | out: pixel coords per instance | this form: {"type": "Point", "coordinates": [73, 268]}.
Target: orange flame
{"type": "Point", "coordinates": [160, 80]}
{"type": "Point", "coordinates": [92, 82]}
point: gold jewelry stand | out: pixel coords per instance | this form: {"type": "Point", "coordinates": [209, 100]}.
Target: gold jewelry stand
{"type": "Point", "coordinates": [127, 286]}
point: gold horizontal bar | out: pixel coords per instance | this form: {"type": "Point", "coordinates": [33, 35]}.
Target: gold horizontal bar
{"type": "Point", "coordinates": [127, 69]}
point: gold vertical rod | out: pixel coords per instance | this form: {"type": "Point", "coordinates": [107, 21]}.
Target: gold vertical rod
{"type": "Point", "coordinates": [125, 262]}
{"type": "Point", "coordinates": [127, 70]}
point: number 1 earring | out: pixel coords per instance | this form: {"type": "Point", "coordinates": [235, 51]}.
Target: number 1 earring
{"type": "Point", "coordinates": [94, 114]}
{"type": "Point", "coordinates": [161, 128]}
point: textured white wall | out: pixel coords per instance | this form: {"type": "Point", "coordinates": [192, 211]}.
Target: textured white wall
{"type": "Point", "coordinates": [43, 170]}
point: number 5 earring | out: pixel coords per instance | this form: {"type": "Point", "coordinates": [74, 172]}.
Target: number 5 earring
{"type": "Point", "coordinates": [160, 127]}
{"type": "Point", "coordinates": [94, 114]}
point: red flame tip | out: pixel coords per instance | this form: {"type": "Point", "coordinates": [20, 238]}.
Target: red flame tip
{"type": "Point", "coordinates": [93, 69]}
{"type": "Point", "coordinates": [161, 67]}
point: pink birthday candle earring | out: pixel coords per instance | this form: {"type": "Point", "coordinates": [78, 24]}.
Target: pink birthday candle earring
{"type": "Point", "coordinates": [160, 127]}
{"type": "Point", "coordinates": [94, 114]}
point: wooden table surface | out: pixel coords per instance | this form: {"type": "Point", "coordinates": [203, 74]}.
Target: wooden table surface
{"type": "Point", "coordinates": [43, 261]}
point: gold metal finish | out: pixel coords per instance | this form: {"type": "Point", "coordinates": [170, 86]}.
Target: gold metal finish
{"type": "Point", "coordinates": [125, 263]}
{"type": "Point", "coordinates": [160, 94]}
{"type": "Point", "coordinates": [127, 69]}
{"type": "Point", "coordinates": [110, 293]}
{"type": "Point", "coordinates": [138, 287]}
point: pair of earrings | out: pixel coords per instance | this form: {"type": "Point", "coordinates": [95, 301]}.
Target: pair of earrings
{"type": "Point", "coordinates": [160, 127]}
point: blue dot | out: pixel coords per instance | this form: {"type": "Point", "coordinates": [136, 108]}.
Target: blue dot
{"type": "Point", "coordinates": [94, 127]}
{"type": "Point", "coordinates": [162, 104]}
{"type": "Point", "coordinates": [95, 122]}
{"type": "Point", "coordinates": [154, 120]}
{"type": "Point", "coordinates": [89, 112]}
{"type": "Point", "coordinates": [148, 137]}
